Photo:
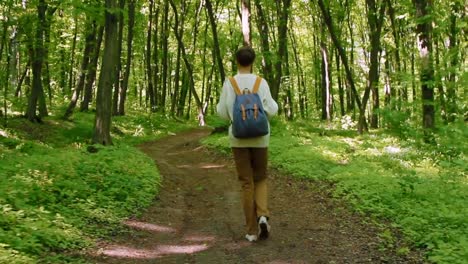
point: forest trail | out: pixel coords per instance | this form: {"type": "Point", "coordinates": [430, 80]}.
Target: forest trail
{"type": "Point", "coordinates": [197, 217]}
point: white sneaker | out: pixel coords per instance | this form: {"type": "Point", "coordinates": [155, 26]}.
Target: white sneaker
{"type": "Point", "coordinates": [263, 228]}
{"type": "Point", "coordinates": [251, 238]}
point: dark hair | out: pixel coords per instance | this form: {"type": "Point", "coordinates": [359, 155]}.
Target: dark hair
{"type": "Point", "coordinates": [245, 56]}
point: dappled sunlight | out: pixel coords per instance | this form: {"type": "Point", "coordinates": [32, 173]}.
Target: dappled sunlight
{"type": "Point", "coordinates": [127, 252]}
{"type": "Point", "coordinates": [184, 166]}
{"type": "Point", "coordinates": [3, 133]}
{"type": "Point", "coordinates": [212, 166]}
{"type": "Point", "coordinates": [156, 252]}
{"type": "Point", "coordinates": [179, 249]}
{"type": "Point", "coordinates": [149, 227]}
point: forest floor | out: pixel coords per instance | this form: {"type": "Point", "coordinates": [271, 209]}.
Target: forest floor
{"type": "Point", "coordinates": [197, 217]}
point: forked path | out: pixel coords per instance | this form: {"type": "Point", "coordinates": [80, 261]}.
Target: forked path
{"type": "Point", "coordinates": [197, 217]}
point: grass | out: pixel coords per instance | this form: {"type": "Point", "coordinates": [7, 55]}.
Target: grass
{"type": "Point", "coordinates": [56, 197]}
{"type": "Point", "coordinates": [420, 189]}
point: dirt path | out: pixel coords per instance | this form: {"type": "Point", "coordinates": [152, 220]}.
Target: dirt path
{"type": "Point", "coordinates": [197, 218]}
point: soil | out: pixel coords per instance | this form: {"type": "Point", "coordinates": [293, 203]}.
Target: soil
{"type": "Point", "coordinates": [197, 217]}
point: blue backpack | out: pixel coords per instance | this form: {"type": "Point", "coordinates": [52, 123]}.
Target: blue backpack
{"type": "Point", "coordinates": [249, 117]}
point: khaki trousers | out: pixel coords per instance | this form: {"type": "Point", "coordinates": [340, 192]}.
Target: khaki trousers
{"type": "Point", "coordinates": [251, 166]}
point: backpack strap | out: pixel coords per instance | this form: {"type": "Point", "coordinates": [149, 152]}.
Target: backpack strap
{"type": "Point", "coordinates": [235, 85]}
{"type": "Point", "coordinates": [257, 84]}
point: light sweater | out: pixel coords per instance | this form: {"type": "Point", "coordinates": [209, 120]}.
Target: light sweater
{"type": "Point", "coordinates": [226, 105]}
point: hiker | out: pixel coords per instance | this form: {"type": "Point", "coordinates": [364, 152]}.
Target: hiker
{"type": "Point", "coordinates": [250, 153]}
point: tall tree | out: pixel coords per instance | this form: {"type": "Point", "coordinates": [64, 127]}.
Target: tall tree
{"type": "Point", "coordinates": [148, 58]}
{"type": "Point", "coordinates": [107, 77]}
{"type": "Point", "coordinates": [128, 63]}
{"type": "Point", "coordinates": [37, 58]}
{"type": "Point", "coordinates": [423, 16]}
{"type": "Point", "coordinates": [283, 17]}
{"type": "Point", "coordinates": [264, 30]}
{"type": "Point", "coordinates": [375, 18]}
{"type": "Point", "coordinates": [454, 54]}
{"type": "Point", "coordinates": [92, 70]}
{"type": "Point", "coordinates": [189, 67]}
{"type": "Point", "coordinates": [118, 71]}
{"type": "Point", "coordinates": [216, 46]}
{"type": "Point", "coordinates": [90, 36]}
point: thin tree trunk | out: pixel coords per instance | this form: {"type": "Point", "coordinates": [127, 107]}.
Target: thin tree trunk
{"type": "Point", "coordinates": [71, 71]}
{"type": "Point", "coordinates": [283, 14]}
{"type": "Point", "coordinates": [165, 56]}
{"type": "Point", "coordinates": [188, 65]}
{"type": "Point", "coordinates": [21, 80]}
{"type": "Point", "coordinates": [149, 71]}
{"type": "Point", "coordinates": [5, 81]}
{"type": "Point", "coordinates": [118, 71]}
{"type": "Point", "coordinates": [47, 25]}
{"type": "Point", "coordinates": [325, 91]}
{"type": "Point", "coordinates": [92, 70]}
{"type": "Point", "coordinates": [128, 64]}
{"type": "Point", "coordinates": [452, 108]}
{"type": "Point", "coordinates": [300, 75]}
{"type": "Point", "coordinates": [90, 37]}
{"type": "Point", "coordinates": [156, 67]}
{"type": "Point", "coordinates": [341, 91]}
{"type": "Point", "coordinates": [438, 82]}
{"type": "Point", "coordinates": [264, 31]}
{"type": "Point", "coordinates": [344, 59]}
{"type": "Point", "coordinates": [216, 47]}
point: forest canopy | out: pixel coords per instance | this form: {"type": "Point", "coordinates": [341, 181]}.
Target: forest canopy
{"type": "Point", "coordinates": [377, 63]}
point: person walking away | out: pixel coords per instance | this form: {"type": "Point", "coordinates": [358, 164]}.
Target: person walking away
{"type": "Point", "coordinates": [250, 153]}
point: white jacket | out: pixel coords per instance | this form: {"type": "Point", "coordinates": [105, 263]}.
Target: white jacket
{"type": "Point", "coordinates": [226, 105]}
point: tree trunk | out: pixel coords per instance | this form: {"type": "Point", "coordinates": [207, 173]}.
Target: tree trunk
{"type": "Point", "coordinates": [71, 71]}
{"type": "Point", "coordinates": [375, 21]}
{"type": "Point", "coordinates": [90, 37]}
{"type": "Point", "coordinates": [118, 71]}
{"type": "Point", "coordinates": [149, 71]}
{"type": "Point", "coordinates": [188, 65]}
{"type": "Point", "coordinates": [106, 78]}
{"type": "Point", "coordinates": [37, 56]}
{"type": "Point", "coordinates": [454, 51]}
{"type": "Point", "coordinates": [156, 63]}
{"type": "Point", "coordinates": [264, 30]}
{"type": "Point", "coordinates": [325, 91]}
{"type": "Point", "coordinates": [7, 72]}
{"type": "Point", "coordinates": [424, 31]}
{"type": "Point", "coordinates": [216, 47]}
{"type": "Point", "coordinates": [128, 64]}
{"type": "Point", "coordinates": [245, 18]}
{"type": "Point", "coordinates": [47, 25]}
{"type": "Point", "coordinates": [344, 59]}
{"type": "Point", "coordinates": [165, 57]}
{"type": "Point", "coordinates": [92, 70]}
{"type": "Point", "coordinates": [283, 14]}
{"type": "Point", "coordinates": [341, 91]}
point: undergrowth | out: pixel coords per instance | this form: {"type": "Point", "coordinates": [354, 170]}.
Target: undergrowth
{"type": "Point", "coordinates": [57, 197]}
{"type": "Point", "coordinates": [420, 189]}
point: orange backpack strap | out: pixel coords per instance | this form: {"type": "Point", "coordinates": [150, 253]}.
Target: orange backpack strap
{"type": "Point", "coordinates": [235, 85]}
{"type": "Point", "coordinates": [257, 84]}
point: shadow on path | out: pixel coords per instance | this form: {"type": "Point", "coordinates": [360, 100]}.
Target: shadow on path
{"type": "Point", "coordinates": [197, 217]}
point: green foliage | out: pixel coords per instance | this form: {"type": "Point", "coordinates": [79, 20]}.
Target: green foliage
{"type": "Point", "coordinates": [421, 189]}
{"type": "Point", "coordinates": [56, 196]}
